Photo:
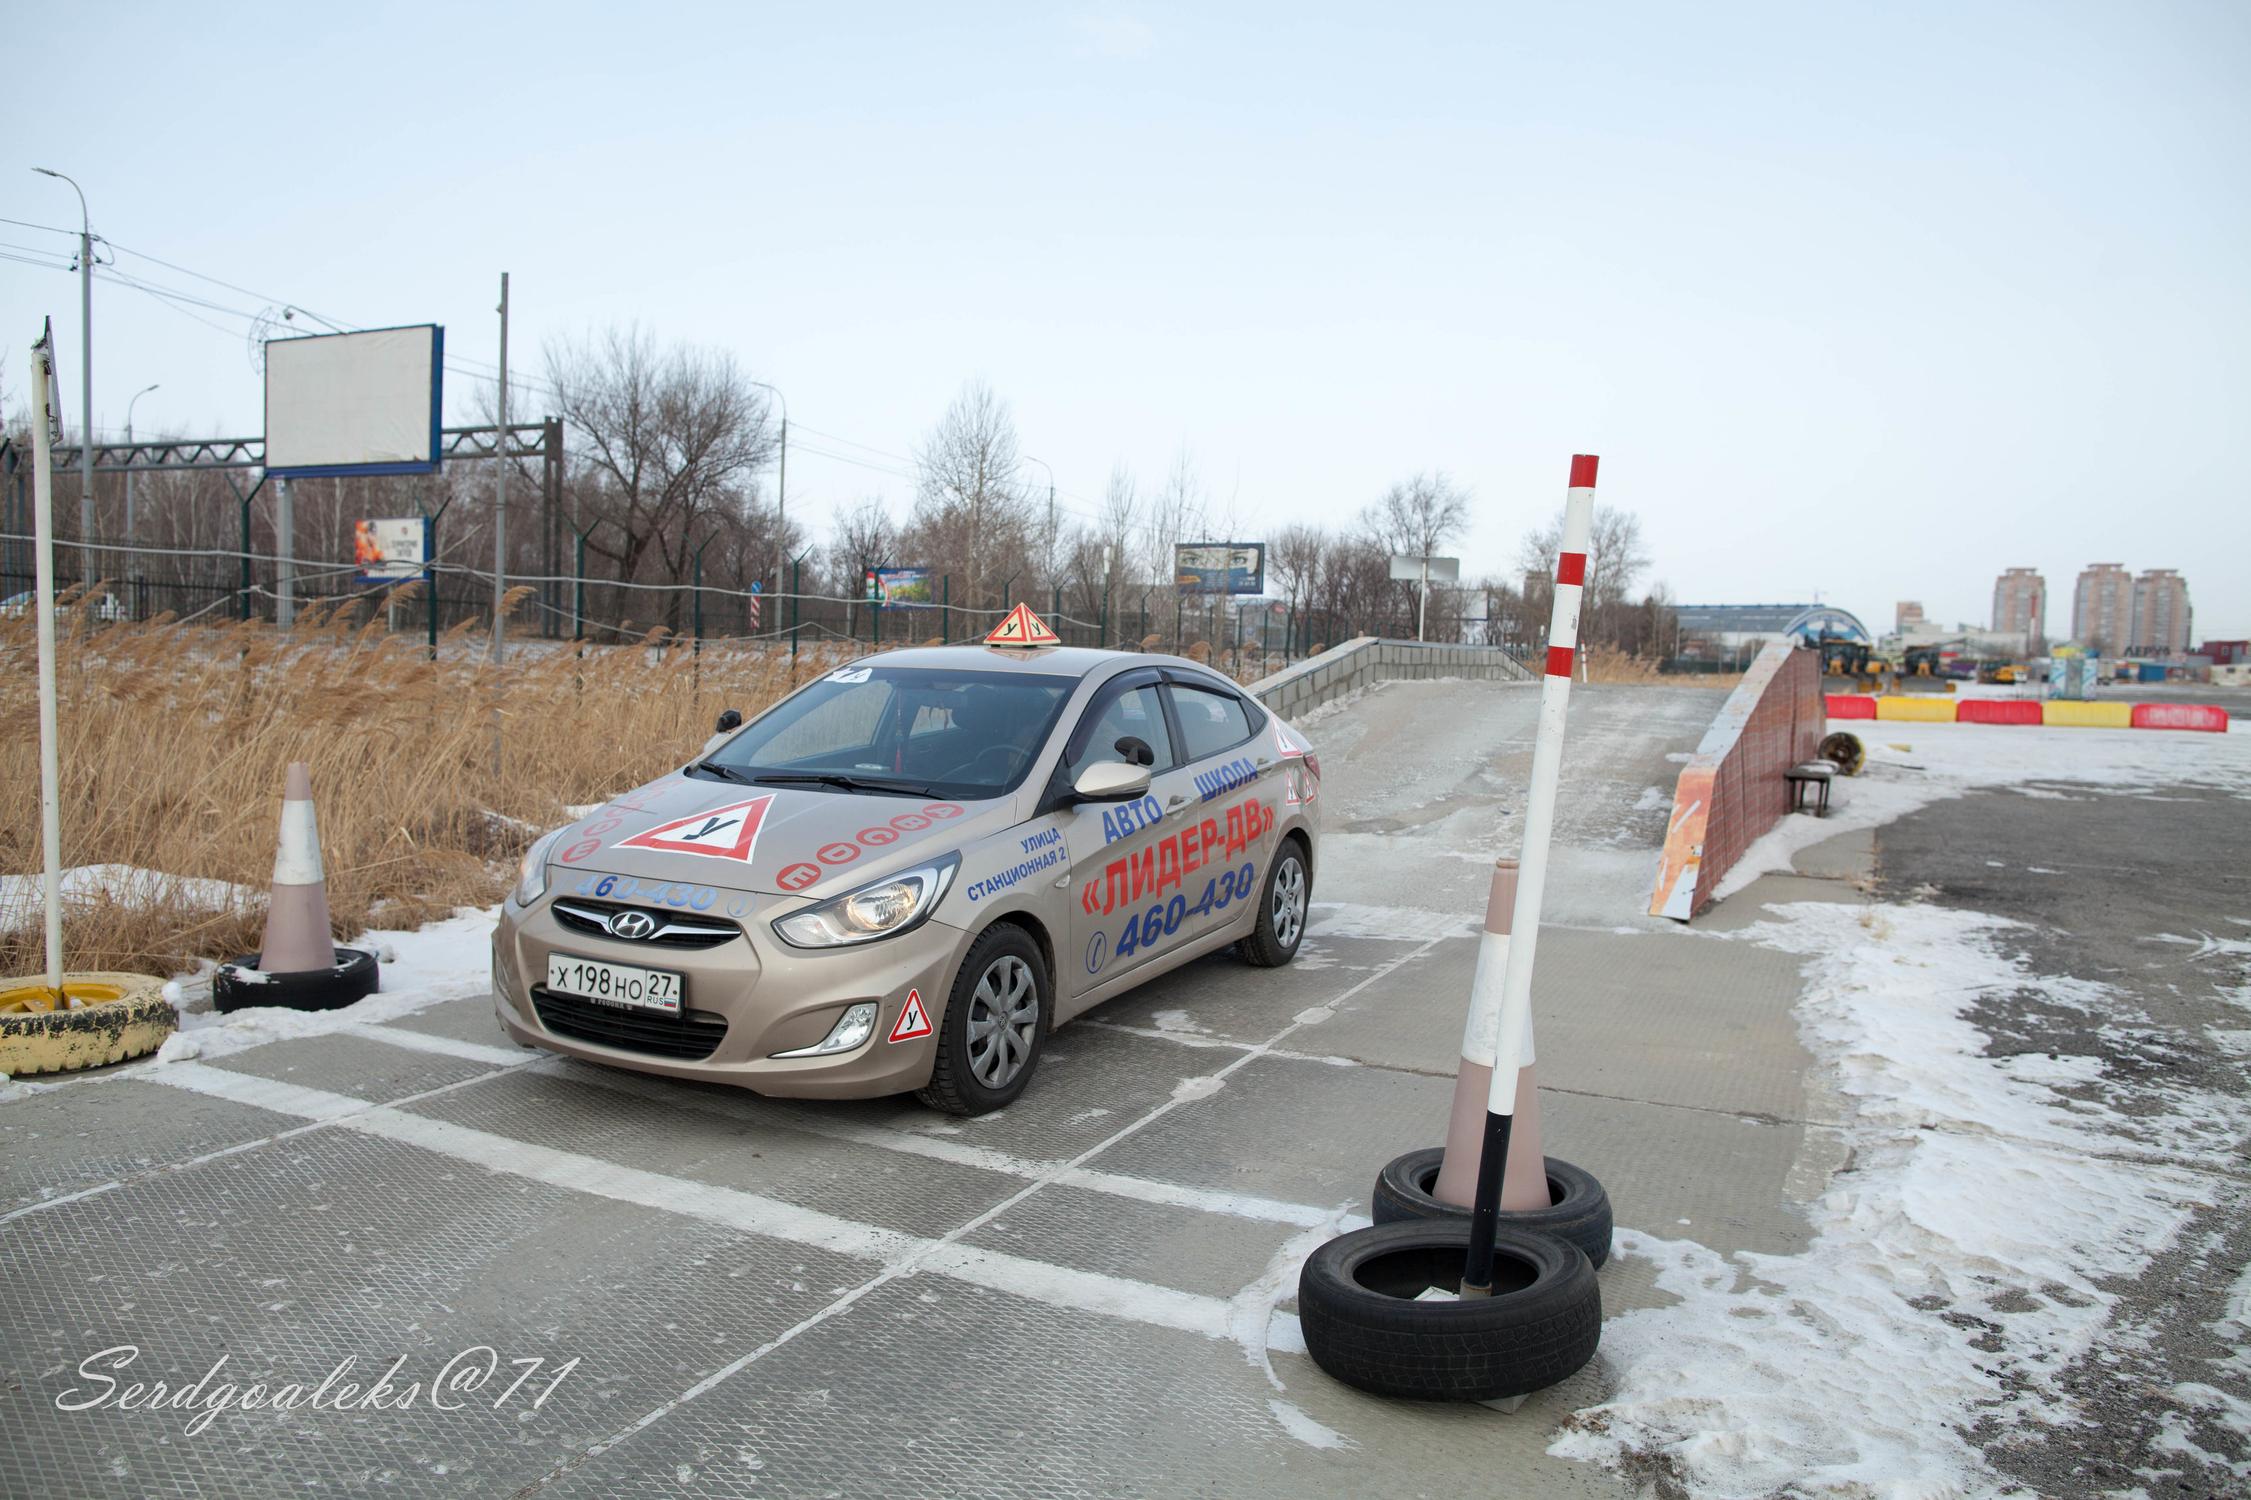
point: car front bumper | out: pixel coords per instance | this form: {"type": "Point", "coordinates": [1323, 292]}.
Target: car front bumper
{"type": "Point", "coordinates": [749, 998]}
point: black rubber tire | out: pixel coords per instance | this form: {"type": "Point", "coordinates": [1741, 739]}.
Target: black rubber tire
{"type": "Point", "coordinates": [1264, 948]}
{"type": "Point", "coordinates": [1355, 1302]}
{"type": "Point", "coordinates": [355, 977]}
{"type": "Point", "coordinates": [1580, 1213]}
{"type": "Point", "coordinates": [953, 1088]}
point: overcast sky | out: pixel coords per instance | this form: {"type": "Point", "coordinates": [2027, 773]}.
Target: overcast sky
{"type": "Point", "coordinates": [1869, 300]}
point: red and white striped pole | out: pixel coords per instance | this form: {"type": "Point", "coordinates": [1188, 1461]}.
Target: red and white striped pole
{"type": "Point", "coordinates": [1532, 875]}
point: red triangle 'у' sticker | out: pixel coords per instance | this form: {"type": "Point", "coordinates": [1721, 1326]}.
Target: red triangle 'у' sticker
{"type": "Point", "coordinates": [729, 832]}
{"type": "Point", "coordinates": [914, 1021]}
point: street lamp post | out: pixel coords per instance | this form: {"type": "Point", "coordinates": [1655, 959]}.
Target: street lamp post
{"type": "Point", "coordinates": [86, 377]}
{"type": "Point", "coordinates": [130, 535]}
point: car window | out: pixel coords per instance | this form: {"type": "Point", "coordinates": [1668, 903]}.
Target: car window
{"type": "Point", "coordinates": [954, 734]}
{"type": "Point", "coordinates": [1209, 722]}
{"type": "Point", "coordinates": [1137, 713]}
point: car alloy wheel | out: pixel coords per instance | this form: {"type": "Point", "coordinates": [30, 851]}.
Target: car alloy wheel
{"type": "Point", "coordinates": [1004, 1018]}
{"type": "Point", "coordinates": [1289, 899]}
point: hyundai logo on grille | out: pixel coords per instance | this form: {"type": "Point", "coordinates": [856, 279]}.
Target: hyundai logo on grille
{"type": "Point", "coordinates": [632, 925]}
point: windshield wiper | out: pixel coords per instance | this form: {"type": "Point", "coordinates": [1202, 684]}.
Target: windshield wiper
{"type": "Point", "coordinates": [838, 779]}
{"type": "Point", "coordinates": [724, 773]}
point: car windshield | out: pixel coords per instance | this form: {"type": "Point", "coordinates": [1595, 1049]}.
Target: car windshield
{"type": "Point", "coordinates": [913, 730]}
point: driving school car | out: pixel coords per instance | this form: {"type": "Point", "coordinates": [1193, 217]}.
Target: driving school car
{"type": "Point", "coordinates": [908, 872]}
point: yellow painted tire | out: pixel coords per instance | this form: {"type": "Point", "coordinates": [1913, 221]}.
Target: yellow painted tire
{"type": "Point", "coordinates": [119, 1016]}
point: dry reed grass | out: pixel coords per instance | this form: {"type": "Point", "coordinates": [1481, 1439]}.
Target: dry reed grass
{"type": "Point", "coordinates": [1610, 665]}
{"type": "Point", "coordinates": [431, 776]}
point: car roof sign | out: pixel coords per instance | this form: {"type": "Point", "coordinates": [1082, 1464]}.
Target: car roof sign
{"type": "Point", "coordinates": [1023, 628]}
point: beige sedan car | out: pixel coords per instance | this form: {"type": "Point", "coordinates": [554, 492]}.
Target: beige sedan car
{"type": "Point", "coordinates": [905, 874]}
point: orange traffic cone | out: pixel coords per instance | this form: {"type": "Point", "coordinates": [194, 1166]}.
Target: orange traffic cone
{"type": "Point", "coordinates": [300, 966]}
{"type": "Point", "coordinates": [298, 939]}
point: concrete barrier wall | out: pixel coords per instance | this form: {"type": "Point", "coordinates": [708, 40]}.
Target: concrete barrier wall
{"type": "Point", "coordinates": [1355, 664]}
{"type": "Point", "coordinates": [1732, 790]}
{"type": "Point", "coordinates": [1937, 708]}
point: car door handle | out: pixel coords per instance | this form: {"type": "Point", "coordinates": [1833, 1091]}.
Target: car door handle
{"type": "Point", "coordinates": [1176, 806]}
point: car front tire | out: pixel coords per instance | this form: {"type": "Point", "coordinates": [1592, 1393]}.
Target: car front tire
{"type": "Point", "coordinates": [996, 1022]}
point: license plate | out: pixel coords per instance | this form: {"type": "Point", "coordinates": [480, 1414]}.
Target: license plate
{"type": "Point", "coordinates": [614, 984]}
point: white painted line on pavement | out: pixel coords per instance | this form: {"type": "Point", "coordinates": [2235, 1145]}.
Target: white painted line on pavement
{"type": "Point", "coordinates": [446, 1046]}
{"type": "Point", "coordinates": [751, 1213]}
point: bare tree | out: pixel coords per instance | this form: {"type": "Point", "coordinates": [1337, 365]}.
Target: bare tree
{"type": "Point", "coordinates": [1293, 561]}
{"type": "Point", "coordinates": [969, 507]}
{"type": "Point", "coordinates": [667, 446]}
{"type": "Point", "coordinates": [1616, 559]}
{"type": "Point", "coordinates": [1416, 517]}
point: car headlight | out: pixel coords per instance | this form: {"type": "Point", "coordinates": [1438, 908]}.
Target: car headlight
{"type": "Point", "coordinates": [531, 877]}
{"type": "Point", "coordinates": [883, 908]}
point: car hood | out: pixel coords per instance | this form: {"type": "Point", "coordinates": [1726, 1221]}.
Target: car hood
{"type": "Point", "coordinates": [780, 840]}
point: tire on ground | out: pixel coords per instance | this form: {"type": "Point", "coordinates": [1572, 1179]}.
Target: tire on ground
{"type": "Point", "coordinates": [239, 983]}
{"type": "Point", "coordinates": [1362, 1324]}
{"type": "Point", "coordinates": [1264, 948]}
{"type": "Point", "coordinates": [1580, 1212]}
{"type": "Point", "coordinates": [108, 1030]}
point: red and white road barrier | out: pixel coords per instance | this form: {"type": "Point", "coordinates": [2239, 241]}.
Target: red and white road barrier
{"type": "Point", "coordinates": [298, 938]}
{"type": "Point", "coordinates": [1525, 1182]}
{"type": "Point", "coordinates": [1514, 1022]}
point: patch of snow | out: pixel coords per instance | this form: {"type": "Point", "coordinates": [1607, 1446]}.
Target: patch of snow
{"type": "Point", "coordinates": [1302, 1427]}
{"type": "Point", "coordinates": [23, 898]}
{"type": "Point", "coordinates": [446, 960]}
{"type": "Point", "coordinates": [1399, 924]}
{"type": "Point", "coordinates": [1653, 799]}
{"type": "Point", "coordinates": [1954, 1273]}
{"type": "Point", "coordinates": [1178, 1020]}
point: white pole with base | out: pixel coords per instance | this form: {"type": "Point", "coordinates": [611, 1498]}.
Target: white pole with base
{"type": "Point", "coordinates": [43, 526]}
{"type": "Point", "coordinates": [1532, 874]}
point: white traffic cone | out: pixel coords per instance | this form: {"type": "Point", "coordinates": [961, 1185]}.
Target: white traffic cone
{"type": "Point", "coordinates": [1525, 1184]}
{"type": "Point", "coordinates": [298, 938]}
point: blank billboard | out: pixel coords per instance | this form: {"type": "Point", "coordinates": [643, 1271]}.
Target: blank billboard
{"type": "Point", "coordinates": [354, 403]}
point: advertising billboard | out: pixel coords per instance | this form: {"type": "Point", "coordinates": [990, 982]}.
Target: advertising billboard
{"type": "Point", "coordinates": [895, 586]}
{"type": "Point", "coordinates": [354, 403]}
{"type": "Point", "coordinates": [390, 551]}
{"type": "Point", "coordinates": [1219, 567]}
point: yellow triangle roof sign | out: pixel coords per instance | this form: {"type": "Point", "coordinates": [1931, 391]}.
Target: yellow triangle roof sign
{"type": "Point", "coordinates": [1023, 628]}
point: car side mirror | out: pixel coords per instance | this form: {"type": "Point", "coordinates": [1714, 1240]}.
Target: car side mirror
{"type": "Point", "coordinates": [730, 720]}
{"type": "Point", "coordinates": [1111, 781]}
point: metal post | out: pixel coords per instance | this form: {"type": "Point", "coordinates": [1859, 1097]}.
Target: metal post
{"type": "Point", "coordinates": [131, 535]}
{"type": "Point", "coordinates": [50, 771]}
{"type": "Point", "coordinates": [695, 602]}
{"type": "Point", "coordinates": [500, 489]}
{"type": "Point", "coordinates": [1422, 608]}
{"type": "Point", "coordinates": [1104, 640]}
{"type": "Point", "coordinates": [946, 607]}
{"type": "Point", "coordinates": [781, 491]}
{"type": "Point", "coordinates": [793, 601]}
{"type": "Point", "coordinates": [578, 589]}
{"type": "Point", "coordinates": [1532, 870]}
{"type": "Point", "coordinates": [430, 576]}
{"type": "Point", "coordinates": [285, 558]}
{"type": "Point", "coordinates": [551, 487]}
{"type": "Point", "coordinates": [243, 609]}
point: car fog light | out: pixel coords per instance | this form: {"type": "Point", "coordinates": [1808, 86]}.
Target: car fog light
{"type": "Point", "coordinates": [852, 1028]}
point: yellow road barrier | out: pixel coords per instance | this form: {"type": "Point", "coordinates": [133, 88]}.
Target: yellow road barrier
{"type": "Point", "coordinates": [2088, 715]}
{"type": "Point", "coordinates": [1917, 709]}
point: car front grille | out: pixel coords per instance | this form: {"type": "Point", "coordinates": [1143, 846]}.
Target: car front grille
{"type": "Point", "coordinates": [674, 929]}
{"type": "Point", "coordinates": [690, 1037]}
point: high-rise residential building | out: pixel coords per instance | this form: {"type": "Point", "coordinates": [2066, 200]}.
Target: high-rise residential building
{"type": "Point", "coordinates": [2020, 606]}
{"type": "Point", "coordinates": [2163, 621]}
{"type": "Point", "coordinates": [2102, 608]}
{"type": "Point", "coordinates": [1905, 613]}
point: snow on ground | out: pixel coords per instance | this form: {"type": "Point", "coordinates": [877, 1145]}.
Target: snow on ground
{"type": "Point", "coordinates": [23, 898]}
{"type": "Point", "coordinates": [1955, 1270]}
{"type": "Point", "coordinates": [1958, 1265]}
{"type": "Point", "coordinates": [1925, 763]}
{"type": "Point", "coordinates": [441, 961]}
